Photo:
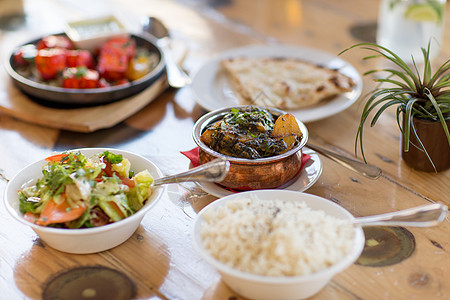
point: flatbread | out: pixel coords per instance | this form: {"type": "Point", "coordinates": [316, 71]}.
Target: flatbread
{"type": "Point", "coordinates": [285, 83]}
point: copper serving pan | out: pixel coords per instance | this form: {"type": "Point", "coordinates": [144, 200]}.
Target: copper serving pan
{"type": "Point", "coordinates": [251, 174]}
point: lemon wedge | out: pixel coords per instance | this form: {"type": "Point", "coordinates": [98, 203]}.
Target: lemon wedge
{"type": "Point", "coordinates": [423, 12]}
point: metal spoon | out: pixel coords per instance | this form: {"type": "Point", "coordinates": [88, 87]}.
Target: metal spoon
{"type": "Point", "coordinates": [176, 77]}
{"type": "Point", "coordinates": [420, 216]}
{"type": "Point", "coordinates": [369, 171]}
{"type": "Point", "coordinates": [214, 171]}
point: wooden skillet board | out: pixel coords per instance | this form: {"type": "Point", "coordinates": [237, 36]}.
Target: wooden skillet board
{"type": "Point", "coordinates": [87, 119]}
{"type": "Point", "coordinates": [81, 119]}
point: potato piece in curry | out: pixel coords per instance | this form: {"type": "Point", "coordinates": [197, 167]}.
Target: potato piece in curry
{"type": "Point", "coordinates": [286, 127]}
{"type": "Point", "coordinates": [252, 132]}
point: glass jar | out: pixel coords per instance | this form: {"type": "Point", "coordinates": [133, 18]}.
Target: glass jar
{"type": "Point", "coordinates": [406, 26]}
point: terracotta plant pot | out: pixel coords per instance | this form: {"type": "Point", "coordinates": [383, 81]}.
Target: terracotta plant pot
{"type": "Point", "coordinates": [435, 142]}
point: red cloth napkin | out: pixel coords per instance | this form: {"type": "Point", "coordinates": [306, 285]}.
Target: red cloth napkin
{"type": "Point", "coordinates": [193, 157]}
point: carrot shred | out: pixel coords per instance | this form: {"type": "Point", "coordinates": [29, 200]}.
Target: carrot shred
{"type": "Point", "coordinates": [30, 217]}
{"type": "Point", "coordinates": [60, 212]}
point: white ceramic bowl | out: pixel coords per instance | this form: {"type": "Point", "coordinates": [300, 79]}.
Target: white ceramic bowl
{"type": "Point", "coordinates": [270, 287]}
{"type": "Point", "coordinates": [85, 240]}
{"type": "Point", "coordinates": [90, 34]}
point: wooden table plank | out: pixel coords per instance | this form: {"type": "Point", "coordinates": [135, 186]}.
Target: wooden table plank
{"type": "Point", "coordinates": [159, 257]}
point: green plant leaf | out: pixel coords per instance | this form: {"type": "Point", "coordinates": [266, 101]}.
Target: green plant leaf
{"type": "Point", "coordinates": [398, 113]}
{"type": "Point", "coordinates": [441, 75]}
{"type": "Point", "coordinates": [441, 117]}
{"type": "Point", "coordinates": [395, 82]}
{"type": "Point", "coordinates": [407, 123]}
{"type": "Point", "coordinates": [393, 58]}
{"type": "Point", "coordinates": [382, 109]}
{"type": "Point", "coordinates": [427, 65]}
{"type": "Point", "coordinates": [422, 147]}
{"type": "Point", "coordinates": [425, 96]}
{"type": "Point", "coordinates": [402, 76]}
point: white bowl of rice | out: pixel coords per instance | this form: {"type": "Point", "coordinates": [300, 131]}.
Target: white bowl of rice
{"type": "Point", "coordinates": [277, 244]}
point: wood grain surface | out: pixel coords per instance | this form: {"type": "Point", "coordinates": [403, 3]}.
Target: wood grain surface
{"type": "Point", "coordinates": [159, 257]}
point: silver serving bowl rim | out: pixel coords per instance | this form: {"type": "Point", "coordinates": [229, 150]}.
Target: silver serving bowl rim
{"type": "Point", "coordinates": [216, 115]}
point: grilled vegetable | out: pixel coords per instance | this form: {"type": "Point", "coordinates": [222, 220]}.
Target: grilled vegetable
{"type": "Point", "coordinates": [126, 44]}
{"type": "Point", "coordinates": [286, 128]}
{"type": "Point", "coordinates": [138, 67]}
{"type": "Point", "coordinates": [112, 64]}
{"type": "Point", "coordinates": [25, 55]}
{"type": "Point", "coordinates": [50, 62]}
{"type": "Point", "coordinates": [114, 58]}
{"type": "Point", "coordinates": [80, 78]}
{"type": "Point", "coordinates": [55, 41]}
{"type": "Point", "coordinates": [117, 62]}
{"type": "Point", "coordinates": [80, 58]}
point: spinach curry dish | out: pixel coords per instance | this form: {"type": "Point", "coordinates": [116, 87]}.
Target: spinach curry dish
{"type": "Point", "coordinates": [252, 132]}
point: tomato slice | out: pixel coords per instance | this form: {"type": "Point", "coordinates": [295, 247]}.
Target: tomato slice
{"type": "Point", "coordinates": [109, 172]}
{"type": "Point", "coordinates": [56, 157]}
{"type": "Point", "coordinates": [50, 62]}
{"type": "Point", "coordinates": [127, 181]}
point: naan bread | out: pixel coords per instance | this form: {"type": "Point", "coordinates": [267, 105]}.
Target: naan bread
{"type": "Point", "coordinates": [285, 83]}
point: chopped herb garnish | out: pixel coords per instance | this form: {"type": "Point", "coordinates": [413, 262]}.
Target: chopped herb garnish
{"type": "Point", "coordinates": [112, 158]}
{"type": "Point", "coordinates": [246, 133]}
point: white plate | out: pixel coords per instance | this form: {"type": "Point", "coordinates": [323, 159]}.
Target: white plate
{"type": "Point", "coordinates": [213, 90]}
{"type": "Point", "coordinates": [303, 181]}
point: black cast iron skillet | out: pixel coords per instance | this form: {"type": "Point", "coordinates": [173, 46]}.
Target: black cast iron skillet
{"type": "Point", "coordinates": [68, 98]}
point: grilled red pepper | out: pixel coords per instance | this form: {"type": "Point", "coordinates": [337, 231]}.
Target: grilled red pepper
{"type": "Point", "coordinates": [51, 61]}
{"type": "Point", "coordinates": [25, 55]}
{"type": "Point", "coordinates": [80, 58]}
{"type": "Point", "coordinates": [114, 57]}
{"type": "Point", "coordinates": [112, 64]}
{"type": "Point", "coordinates": [55, 41]}
{"type": "Point", "coordinates": [125, 43]}
{"type": "Point", "coordinates": [121, 81]}
{"type": "Point", "coordinates": [80, 78]}
{"type": "Point", "coordinates": [103, 83]}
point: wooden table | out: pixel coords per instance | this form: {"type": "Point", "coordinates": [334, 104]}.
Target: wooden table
{"type": "Point", "coordinates": [159, 258]}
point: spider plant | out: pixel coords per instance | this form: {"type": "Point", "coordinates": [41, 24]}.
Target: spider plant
{"type": "Point", "coordinates": [426, 97]}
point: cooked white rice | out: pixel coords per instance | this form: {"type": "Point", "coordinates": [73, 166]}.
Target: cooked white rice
{"type": "Point", "coordinates": [275, 238]}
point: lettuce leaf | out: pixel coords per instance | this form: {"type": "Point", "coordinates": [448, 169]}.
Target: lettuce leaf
{"type": "Point", "coordinates": [141, 191]}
